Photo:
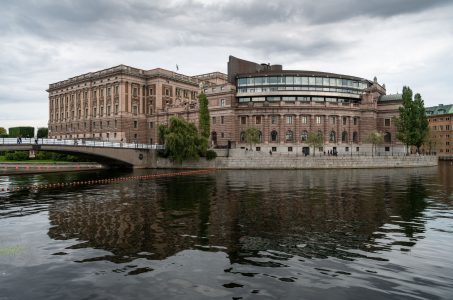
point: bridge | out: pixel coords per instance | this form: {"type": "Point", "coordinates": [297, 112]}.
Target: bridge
{"type": "Point", "coordinates": [119, 154]}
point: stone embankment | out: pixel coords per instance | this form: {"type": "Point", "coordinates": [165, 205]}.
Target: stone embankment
{"type": "Point", "coordinates": [259, 160]}
{"type": "Point", "coordinates": [11, 168]}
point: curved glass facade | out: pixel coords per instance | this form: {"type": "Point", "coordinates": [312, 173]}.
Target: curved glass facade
{"type": "Point", "coordinates": [272, 84]}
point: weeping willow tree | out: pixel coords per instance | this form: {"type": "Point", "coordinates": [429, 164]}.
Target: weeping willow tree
{"type": "Point", "coordinates": [182, 141]}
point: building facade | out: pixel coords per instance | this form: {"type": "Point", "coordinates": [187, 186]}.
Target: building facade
{"type": "Point", "coordinates": [440, 139]}
{"type": "Point", "coordinates": [128, 104]}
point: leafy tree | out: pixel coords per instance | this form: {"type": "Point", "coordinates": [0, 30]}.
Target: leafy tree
{"type": "Point", "coordinates": [43, 132]}
{"type": "Point", "coordinates": [252, 136]}
{"type": "Point", "coordinates": [203, 116]}
{"type": "Point", "coordinates": [24, 131]}
{"type": "Point", "coordinates": [181, 140]}
{"type": "Point", "coordinates": [375, 138]}
{"type": "Point", "coordinates": [412, 123]}
{"type": "Point", "coordinates": [431, 141]}
{"type": "Point", "coordinates": [3, 132]}
{"type": "Point", "coordinates": [315, 140]}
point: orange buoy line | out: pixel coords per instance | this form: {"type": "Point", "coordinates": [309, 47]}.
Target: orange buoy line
{"type": "Point", "coordinates": [35, 187]}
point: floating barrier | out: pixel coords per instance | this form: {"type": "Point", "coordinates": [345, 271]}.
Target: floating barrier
{"type": "Point", "coordinates": [36, 187]}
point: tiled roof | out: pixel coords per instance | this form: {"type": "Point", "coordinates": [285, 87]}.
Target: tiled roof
{"type": "Point", "coordinates": [439, 110]}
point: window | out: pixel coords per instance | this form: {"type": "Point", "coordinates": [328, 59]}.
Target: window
{"type": "Point", "coordinates": [318, 119]}
{"type": "Point", "coordinates": [346, 149]}
{"type": "Point", "coordinates": [134, 92]}
{"type": "Point", "coordinates": [345, 120]}
{"type": "Point", "coordinates": [222, 102]}
{"type": "Point", "coordinates": [222, 120]}
{"type": "Point", "coordinates": [387, 138]}
{"type": "Point", "coordinates": [332, 137]}
{"type": "Point", "coordinates": [290, 149]}
{"type": "Point", "coordinates": [116, 109]}
{"type": "Point", "coordinates": [108, 110]}
{"type": "Point", "coordinates": [304, 136]}
{"type": "Point", "coordinates": [333, 119]}
{"type": "Point", "coordinates": [109, 91]}
{"type": "Point", "coordinates": [289, 136]}
{"type": "Point", "coordinates": [274, 136]}
{"type": "Point", "coordinates": [274, 149]}
{"type": "Point", "coordinates": [243, 120]}
{"type": "Point", "coordinates": [387, 149]}
{"type": "Point", "coordinates": [387, 122]}
{"type": "Point", "coordinates": [94, 112]}
{"type": "Point", "coordinates": [214, 120]}
{"type": "Point", "coordinates": [116, 123]}
{"type": "Point", "coordinates": [150, 125]}
{"type": "Point", "coordinates": [356, 120]}
{"type": "Point", "coordinates": [135, 110]}
{"type": "Point", "coordinates": [355, 137]}
{"type": "Point", "coordinates": [242, 136]}
{"type": "Point", "coordinates": [274, 119]}
{"type": "Point", "coordinates": [116, 89]}
{"type": "Point", "coordinates": [344, 137]}
{"type": "Point", "coordinates": [258, 120]}
{"type": "Point", "coordinates": [304, 119]}
{"type": "Point", "coordinates": [289, 119]}
{"type": "Point", "coordinates": [135, 124]}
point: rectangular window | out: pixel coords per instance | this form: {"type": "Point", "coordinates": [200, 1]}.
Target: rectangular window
{"type": "Point", "coordinates": [214, 120]}
{"type": "Point", "coordinates": [289, 119]}
{"type": "Point", "coordinates": [243, 120]}
{"type": "Point", "coordinates": [151, 125]}
{"type": "Point", "coordinates": [274, 119]}
{"type": "Point", "coordinates": [274, 149]}
{"type": "Point", "coordinates": [290, 149]}
{"type": "Point", "coordinates": [135, 110]}
{"type": "Point", "coordinates": [135, 91]}
{"type": "Point", "coordinates": [333, 119]}
{"type": "Point", "coordinates": [135, 124]}
{"type": "Point", "coordinates": [345, 120]}
{"type": "Point", "coordinates": [222, 102]}
{"type": "Point", "coordinates": [387, 122]}
{"type": "Point", "coordinates": [222, 120]}
{"type": "Point", "coordinates": [116, 109]}
{"type": "Point", "coordinates": [318, 119]}
{"type": "Point", "coordinates": [355, 121]}
{"type": "Point", "coordinates": [258, 120]}
{"type": "Point", "coordinates": [304, 119]}
{"type": "Point", "coordinates": [108, 110]}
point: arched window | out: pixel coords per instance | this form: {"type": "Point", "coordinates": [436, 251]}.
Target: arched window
{"type": "Point", "coordinates": [355, 137]}
{"type": "Point", "coordinates": [304, 136]}
{"type": "Point", "coordinates": [333, 137]}
{"type": "Point", "coordinates": [289, 136]}
{"type": "Point", "coordinates": [260, 136]}
{"type": "Point", "coordinates": [274, 136]}
{"type": "Point", "coordinates": [242, 136]}
{"type": "Point", "coordinates": [388, 138]}
{"type": "Point", "coordinates": [320, 133]}
{"type": "Point", "coordinates": [344, 137]}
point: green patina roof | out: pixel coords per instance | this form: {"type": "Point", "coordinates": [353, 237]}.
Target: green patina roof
{"type": "Point", "coordinates": [439, 110]}
{"type": "Point", "coordinates": [391, 97]}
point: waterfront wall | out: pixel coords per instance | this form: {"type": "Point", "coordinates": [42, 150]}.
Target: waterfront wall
{"type": "Point", "coordinates": [253, 160]}
{"type": "Point", "coordinates": [11, 168]}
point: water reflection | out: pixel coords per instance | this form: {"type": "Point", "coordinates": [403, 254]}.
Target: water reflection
{"type": "Point", "coordinates": [311, 214]}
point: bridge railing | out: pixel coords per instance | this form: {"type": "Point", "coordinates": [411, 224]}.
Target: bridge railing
{"type": "Point", "coordinates": [78, 143]}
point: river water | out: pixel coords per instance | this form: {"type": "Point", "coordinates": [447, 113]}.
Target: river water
{"type": "Point", "coordinates": [306, 234]}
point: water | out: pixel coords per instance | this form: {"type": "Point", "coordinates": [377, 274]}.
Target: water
{"type": "Point", "coordinates": [324, 234]}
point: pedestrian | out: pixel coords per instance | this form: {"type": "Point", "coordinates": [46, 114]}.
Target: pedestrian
{"type": "Point", "coordinates": [270, 152]}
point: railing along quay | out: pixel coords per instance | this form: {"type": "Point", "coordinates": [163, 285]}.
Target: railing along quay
{"type": "Point", "coordinates": [78, 143]}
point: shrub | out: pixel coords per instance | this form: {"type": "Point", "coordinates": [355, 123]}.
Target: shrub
{"type": "Point", "coordinates": [17, 155]}
{"type": "Point", "coordinates": [211, 154]}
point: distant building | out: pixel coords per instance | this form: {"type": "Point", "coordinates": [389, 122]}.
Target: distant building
{"type": "Point", "coordinates": [440, 139]}
{"type": "Point", "coordinates": [124, 103]}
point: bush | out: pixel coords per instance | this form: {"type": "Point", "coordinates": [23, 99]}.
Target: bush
{"type": "Point", "coordinates": [17, 155]}
{"type": "Point", "coordinates": [211, 154]}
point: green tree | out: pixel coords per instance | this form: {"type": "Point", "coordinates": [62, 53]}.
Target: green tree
{"type": "Point", "coordinates": [24, 131]}
{"type": "Point", "coordinates": [412, 123]}
{"type": "Point", "coordinates": [315, 140]}
{"type": "Point", "coordinates": [203, 116]}
{"type": "Point", "coordinates": [432, 141]}
{"type": "Point", "coordinates": [43, 132]}
{"type": "Point", "coordinates": [3, 132]}
{"type": "Point", "coordinates": [252, 136]}
{"type": "Point", "coordinates": [181, 140]}
{"type": "Point", "coordinates": [375, 138]}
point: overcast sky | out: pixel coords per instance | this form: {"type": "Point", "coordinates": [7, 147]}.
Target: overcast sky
{"type": "Point", "coordinates": [401, 42]}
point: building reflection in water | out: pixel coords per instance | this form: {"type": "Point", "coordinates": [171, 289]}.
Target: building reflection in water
{"type": "Point", "coordinates": [342, 213]}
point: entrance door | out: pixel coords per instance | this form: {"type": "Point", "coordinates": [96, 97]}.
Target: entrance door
{"type": "Point", "coordinates": [306, 151]}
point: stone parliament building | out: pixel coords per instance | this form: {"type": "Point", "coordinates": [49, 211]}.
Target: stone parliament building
{"type": "Point", "coordinates": [128, 104]}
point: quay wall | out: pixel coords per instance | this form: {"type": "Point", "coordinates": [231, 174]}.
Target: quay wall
{"type": "Point", "coordinates": [257, 161]}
